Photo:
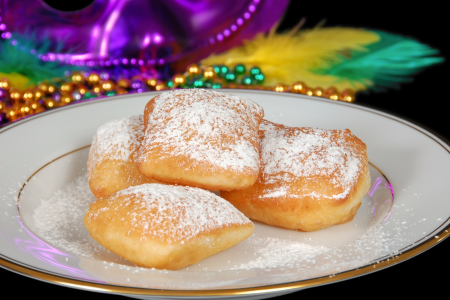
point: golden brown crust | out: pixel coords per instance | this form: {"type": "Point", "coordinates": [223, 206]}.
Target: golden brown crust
{"type": "Point", "coordinates": [123, 224]}
{"type": "Point", "coordinates": [310, 202]}
{"type": "Point", "coordinates": [161, 158]}
{"type": "Point", "coordinates": [113, 167]}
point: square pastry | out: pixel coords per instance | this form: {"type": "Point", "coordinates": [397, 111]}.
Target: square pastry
{"type": "Point", "coordinates": [201, 138]}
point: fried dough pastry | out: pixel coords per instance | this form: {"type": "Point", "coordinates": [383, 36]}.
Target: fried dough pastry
{"type": "Point", "coordinates": [201, 138]}
{"type": "Point", "coordinates": [166, 227]}
{"type": "Point", "coordinates": [310, 178]}
{"type": "Point", "coordinates": [111, 163]}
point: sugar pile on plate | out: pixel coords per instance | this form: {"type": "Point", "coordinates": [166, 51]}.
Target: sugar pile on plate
{"type": "Point", "coordinates": [59, 220]}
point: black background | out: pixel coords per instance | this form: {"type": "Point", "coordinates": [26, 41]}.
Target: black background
{"type": "Point", "coordinates": [423, 101]}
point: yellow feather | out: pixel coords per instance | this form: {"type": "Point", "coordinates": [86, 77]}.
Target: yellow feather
{"type": "Point", "coordinates": [16, 80]}
{"type": "Point", "coordinates": [286, 58]}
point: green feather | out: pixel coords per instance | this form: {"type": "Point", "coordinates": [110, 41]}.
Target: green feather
{"type": "Point", "coordinates": [22, 58]}
{"type": "Point", "coordinates": [386, 64]}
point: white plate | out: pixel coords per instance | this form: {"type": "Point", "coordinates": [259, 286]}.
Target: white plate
{"type": "Point", "coordinates": [416, 163]}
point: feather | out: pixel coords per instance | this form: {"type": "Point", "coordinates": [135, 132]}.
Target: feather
{"type": "Point", "coordinates": [385, 64]}
{"type": "Point", "coordinates": [286, 57]}
{"type": "Point", "coordinates": [324, 57]}
{"type": "Point", "coordinates": [20, 62]}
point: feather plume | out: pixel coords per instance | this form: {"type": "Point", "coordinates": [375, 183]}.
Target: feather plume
{"type": "Point", "coordinates": [385, 64]}
{"type": "Point", "coordinates": [21, 65]}
{"type": "Point", "coordinates": [333, 56]}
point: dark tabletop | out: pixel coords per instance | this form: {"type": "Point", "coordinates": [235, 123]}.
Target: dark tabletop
{"type": "Point", "coordinates": [422, 101]}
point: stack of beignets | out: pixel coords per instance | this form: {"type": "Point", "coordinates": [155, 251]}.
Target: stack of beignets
{"type": "Point", "coordinates": [111, 163]}
{"type": "Point", "coordinates": [201, 138]}
{"type": "Point", "coordinates": [166, 227]}
{"type": "Point", "coordinates": [297, 178]}
{"type": "Point", "coordinates": [310, 178]}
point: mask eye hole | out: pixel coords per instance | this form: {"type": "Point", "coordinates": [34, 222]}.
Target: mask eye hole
{"type": "Point", "coordinates": [68, 6]}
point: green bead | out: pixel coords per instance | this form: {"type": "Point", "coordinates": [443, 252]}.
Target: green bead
{"type": "Point", "coordinates": [216, 68]}
{"type": "Point", "coordinates": [223, 70]}
{"type": "Point", "coordinates": [170, 84]}
{"type": "Point", "coordinates": [230, 76]}
{"type": "Point", "coordinates": [239, 69]}
{"type": "Point", "coordinates": [216, 85]}
{"type": "Point", "coordinates": [199, 83]}
{"type": "Point", "coordinates": [259, 78]}
{"type": "Point", "coordinates": [247, 80]}
{"type": "Point", "coordinates": [111, 93]}
{"type": "Point", "coordinates": [89, 95]}
{"type": "Point", "coordinates": [255, 71]}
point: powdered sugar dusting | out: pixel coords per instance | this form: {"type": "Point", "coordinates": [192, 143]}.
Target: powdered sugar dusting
{"type": "Point", "coordinates": [273, 252]}
{"type": "Point", "coordinates": [118, 139]}
{"type": "Point", "coordinates": [59, 218]}
{"type": "Point", "coordinates": [173, 213]}
{"type": "Point", "coordinates": [289, 152]}
{"type": "Point", "coordinates": [207, 126]}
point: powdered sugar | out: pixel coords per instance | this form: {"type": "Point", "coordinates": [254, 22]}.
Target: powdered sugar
{"type": "Point", "coordinates": [206, 126]}
{"type": "Point", "coordinates": [173, 213]}
{"type": "Point", "coordinates": [118, 139]}
{"type": "Point", "coordinates": [59, 218]}
{"type": "Point", "coordinates": [274, 252]}
{"type": "Point", "coordinates": [288, 152]}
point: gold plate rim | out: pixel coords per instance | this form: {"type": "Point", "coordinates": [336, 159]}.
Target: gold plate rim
{"type": "Point", "coordinates": [285, 287]}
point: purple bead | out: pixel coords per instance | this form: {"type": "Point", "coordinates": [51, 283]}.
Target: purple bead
{"type": "Point", "coordinates": [105, 75]}
{"type": "Point", "coordinates": [136, 84]}
{"type": "Point", "coordinates": [3, 119]}
{"type": "Point", "coordinates": [3, 93]}
{"type": "Point", "coordinates": [57, 96]}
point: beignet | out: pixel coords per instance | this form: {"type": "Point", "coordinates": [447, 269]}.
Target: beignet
{"type": "Point", "coordinates": [111, 163]}
{"type": "Point", "coordinates": [166, 227]}
{"type": "Point", "coordinates": [310, 178]}
{"type": "Point", "coordinates": [201, 138]}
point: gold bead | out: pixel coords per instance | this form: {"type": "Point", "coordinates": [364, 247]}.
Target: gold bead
{"type": "Point", "coordinates": [123, 83]}
{"type": "Point", "coordinates": [298, 87]}
{"type": "Point", "coordinates": [309, 92]}
{"type": "Point", "coordinates": [15, 95]}
{"type": "Point", "coordinates": [178, 80]}
{"type": "Point", "coordinates": [37, 108]}
{"type": "Point", "coordinates": [38, 94]}
{"type": "Point", "coordinates": [108, 85]}
{"type": "Point", "coordinates": [51, 89]}
{"type": "Point", "coordinates": [2, 107]}
{"type": "Point", "coordinates": [121, 91]}
{"type": "Point", "coordinates": [35, 105]}
{"type": "Point", "coordinates": [333, 96]}
{"type": "Point", "coordinates": [4, 84]}
{"type": "Point", "coordinates": [67, 88]}
{"type": "Point", "coordinates": [280, 88]}
{"type": "Point", "coordinates": [209, 73]}
{"type": "Point", "coordinates": [160, 86]}
{"type": "Point", "coordinates": [66, 99]}
{"type": "Point", "coordinates": [18, 111]}
{"type": "Point", "coordinates": [43, 86]}
{"type": "Point", "coordinates": [97, 88]}
{"type": "Point", "coordinates": [194, 69]}
{"type": "Point", "coordinates": [25, 109]}
{"type": "Point", "coordinates": [93, 78]}
{"type": "Point", "coordinates": [151, 82]}
{"type": "Point", "coordinates": [77, 77]}
{"type": "Point", "coordinates": [318, 91]}
{"type": "Point", "coordinates": [82, 89]}
{"type": "Point", "coordinates": [231, 85]}
{"type": "Point", "coordinates": [10, 113]}
{"type": "Point", "coordinates": [49, 102]}
{"type": "Point", "coordinates": [348, 95]}
{"type": "Point", "coordinates": [28, 95]}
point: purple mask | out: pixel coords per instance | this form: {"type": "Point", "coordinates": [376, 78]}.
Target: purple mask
{"type": "Point", "coordinates": [142, 32]}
